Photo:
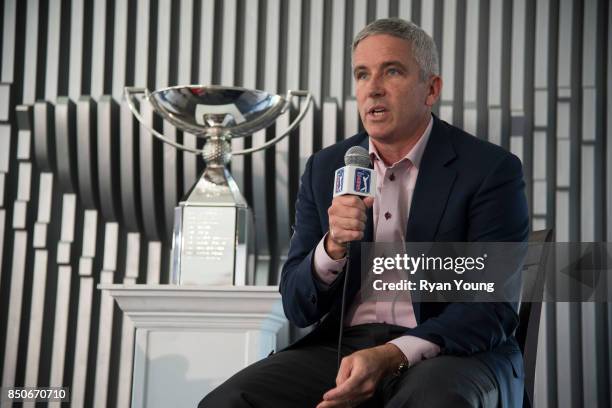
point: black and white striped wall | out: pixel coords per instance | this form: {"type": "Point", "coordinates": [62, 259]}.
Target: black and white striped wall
{"type": "Point", "coordinates": [87, 196]}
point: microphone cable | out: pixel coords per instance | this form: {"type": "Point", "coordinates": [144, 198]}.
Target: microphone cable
{"type": "Point", "coordinates": [343, 301]}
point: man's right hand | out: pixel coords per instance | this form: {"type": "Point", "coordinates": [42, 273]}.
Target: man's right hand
{"type": "Point", "coordinates": [347, 220]}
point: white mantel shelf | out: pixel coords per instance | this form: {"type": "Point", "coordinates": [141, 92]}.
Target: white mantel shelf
{"type": "Point", "coordinates": [189, 339]}
{"type": "Point", "coordinates": [142, 303]}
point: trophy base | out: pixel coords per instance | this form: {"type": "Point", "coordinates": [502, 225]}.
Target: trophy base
{"type": "Point", "coordinates": [213, 245]}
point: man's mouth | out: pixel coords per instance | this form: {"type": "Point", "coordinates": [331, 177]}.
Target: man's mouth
{"type": "Point", "coordinates": [377, 111]}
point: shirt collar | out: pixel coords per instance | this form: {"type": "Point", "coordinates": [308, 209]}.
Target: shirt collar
{"type": "Point", "coordinates": [415, 154]}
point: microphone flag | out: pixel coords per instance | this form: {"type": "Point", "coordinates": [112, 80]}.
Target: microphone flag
{"type": "Point", "coordinates": [354, 180]}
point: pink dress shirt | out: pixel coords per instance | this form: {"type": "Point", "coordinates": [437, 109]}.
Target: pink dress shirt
{"type": "Point", "coordinates": [394, 189]}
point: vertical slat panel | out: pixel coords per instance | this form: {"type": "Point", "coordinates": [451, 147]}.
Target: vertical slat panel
{"type": "Point", "coordinates": [120, 35]}
{"type": "Point", "coordinates": [128, 171]}
{"type": "Point", "coordinates": [360, 19]}
{"type": "Point", "coordinates": [98, 49]}
{"type": "Point", "coordinates": [105, 323]}
{"type": "Point", "coordinates": [9, 369]}
{"type": "Point", "coordinates": [228, 49]}
{"type": "Point", "coordinates": [448, 60]}
{"type": "Point", "coordinates": [77, 11]}
{"type": "Point", "coordinates": [107, 148]}
{"type": "Point", "coordinates": [351, 117]}
{"type": "Point", "coordinates": [149, 203]}
{"type": "Point", "coordinates": [206, 42]}
{"type": "Point", "coordinates": [36, 317]}
{"type": "Point", "coordinates": [154, 262]}
{"type": "Point", "coordinates": [20, 252]}
{"type": "Point", "coordinates": [207, 38]}
{"type": "Point", "coordinates": [162, 72]}
{"type": "Point", "coordinates": [185, 44]}
{"type": "Point", "coordinates": [540, 138]}
{"type": "Point", "coordinates": [281, 180]}
{"type": "Point", "coordinates": [230, 33]}
{"type": "Point", "coordinates": [330, 122]}
{"type": "Point", "coordinates": [494, 74]}
{"type": "Point", "coordinates": [517, 78]}
{"type": "Point", "coordinates": [472, 72]}
{"type": "Point", "coordinates": [8, 40]}
{"type": "Point", "coordinates": [132, 266]}
{"type": "Point", "coordinates": [60, 330]}
{"type": "Point", "coordinates": [61, 324]}
{"type": "Point", "coordinates": [141, 63]}
{"type": "Point", "coordinates": [53, 50]}
{"type": "Point", "coordinates": [44, 137]}
{"type": "Point", "coordinates": [185, 72]}
{"type": "Point", "coordinates": [86, 161]}
{"type": "Point", "coordinates": [65, 139]}
{"type": "Point", "coordinates": [337, 44]}
{"type": "Point", "coordinates": [315, 52]}
{"type": "Point", "coordinates": [405, 10]}
{"type": "Point", "coordinates": [282, 155]}
{"type": "Point", "coordinates": [81, 350]}
{"type": "Point", "coordinates": [590, 395]}
{"type": "Point", "coordinates": [270, 83]}
{"type": "Point", "coordinates": [382, 8]}
{"type": "Point", "coordinates": [31, 53]}
{"type": "Point", "coordinates": [427, 16]}
{"type": "Point", "coordinates": [541, 376]}
{"type": "Point", "coordinates": [5, 147]}
{"type": "Point", "coordinates": [41, 268]}
{"type": "Point", "coordinates": [307, 135]}
{"type": "Point", "coordinates": [162, 51]}
{"type": "Point", "coordinates": [566, 390]}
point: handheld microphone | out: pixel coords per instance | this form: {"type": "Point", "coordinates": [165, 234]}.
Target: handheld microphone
{"type": "Point", "coordinates": [356, 178]}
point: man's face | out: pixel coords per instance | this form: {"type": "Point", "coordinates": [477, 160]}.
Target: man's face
{"type": "Point", "coordinates": [393, 102]}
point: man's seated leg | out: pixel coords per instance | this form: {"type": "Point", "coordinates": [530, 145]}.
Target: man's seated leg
{"type": "Point", "coordinates": [444, 381]}
{"type": "Point", "coordinates": [292, 378]}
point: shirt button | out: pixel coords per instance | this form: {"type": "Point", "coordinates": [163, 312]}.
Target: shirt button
{"type": "Point", "coordinates": [392, 177]}
{"type": "Point", "coordinates": [313, 299]}
{"type": "Point", "coordinates": [387, 215]}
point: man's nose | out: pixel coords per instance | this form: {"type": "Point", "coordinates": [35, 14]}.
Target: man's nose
{"type": "Point", "coordinates": [376, 87]}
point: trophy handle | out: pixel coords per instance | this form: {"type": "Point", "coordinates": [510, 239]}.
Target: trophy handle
{"type": "Point", "coordinates": [129, 93]}
{"type": "Point", "coordinates": [295, 122]}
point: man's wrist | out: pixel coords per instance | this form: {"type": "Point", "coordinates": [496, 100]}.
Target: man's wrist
{"type": "Point", "coordinates": [334, 250]}
{"type": "Point", "coordinates": [397, 362]}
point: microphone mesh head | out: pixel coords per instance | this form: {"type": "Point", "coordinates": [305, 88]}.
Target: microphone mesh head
{"type": "Point", "coordinates": [357, 156]}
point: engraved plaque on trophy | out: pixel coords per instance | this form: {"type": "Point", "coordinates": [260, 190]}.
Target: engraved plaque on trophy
{"type": "Point", "coordinates": [213, 239]}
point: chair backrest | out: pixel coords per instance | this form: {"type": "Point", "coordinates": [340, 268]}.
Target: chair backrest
{"type": "Point", "coordinates": [529, 312]}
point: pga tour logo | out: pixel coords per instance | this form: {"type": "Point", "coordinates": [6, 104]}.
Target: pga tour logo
{"type": "Point", "coordinates": [362, 181]}
{"type": "Point", "coordinates": [340, 180]}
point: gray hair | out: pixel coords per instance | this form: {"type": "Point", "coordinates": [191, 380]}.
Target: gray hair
{"type": "Point", "coordinates": [423, 46]}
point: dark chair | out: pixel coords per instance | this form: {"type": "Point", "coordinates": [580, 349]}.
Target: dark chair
{"type": "Point", "coordinates": [529, 312]}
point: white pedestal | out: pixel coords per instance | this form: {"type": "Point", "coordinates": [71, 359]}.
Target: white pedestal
{"type": "Point", "coordinates": [191, 339]}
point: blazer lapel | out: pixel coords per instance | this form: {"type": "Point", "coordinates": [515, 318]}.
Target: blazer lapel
{"type": "Point", "coordinates": [433, 186]}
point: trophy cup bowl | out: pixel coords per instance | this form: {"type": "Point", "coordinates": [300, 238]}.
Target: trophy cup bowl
{"type": "Point", "coordinates": [213, 239]}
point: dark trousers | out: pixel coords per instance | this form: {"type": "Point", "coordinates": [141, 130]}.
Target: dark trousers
{"type": "Point", "coordinates": [298, 377]}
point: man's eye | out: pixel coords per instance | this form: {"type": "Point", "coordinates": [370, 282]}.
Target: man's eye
{"type": "Point", "coordinates": [393, 71]}
{"type": "Point", "coordinates": [361, 75]}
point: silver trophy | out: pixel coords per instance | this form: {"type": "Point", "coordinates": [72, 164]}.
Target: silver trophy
{"type": "Point", "coordinates": [213, 239]}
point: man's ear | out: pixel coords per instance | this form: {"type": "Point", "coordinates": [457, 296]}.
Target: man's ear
{"type": "Point", "coordinates": [434, 85]}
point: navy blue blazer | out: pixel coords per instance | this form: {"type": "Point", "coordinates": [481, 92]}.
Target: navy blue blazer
{"type": "Point", "coordinates": [467, 190]}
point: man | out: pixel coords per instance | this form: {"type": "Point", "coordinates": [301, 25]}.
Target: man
{"type": "Point", "coordinates": [435, 183]}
